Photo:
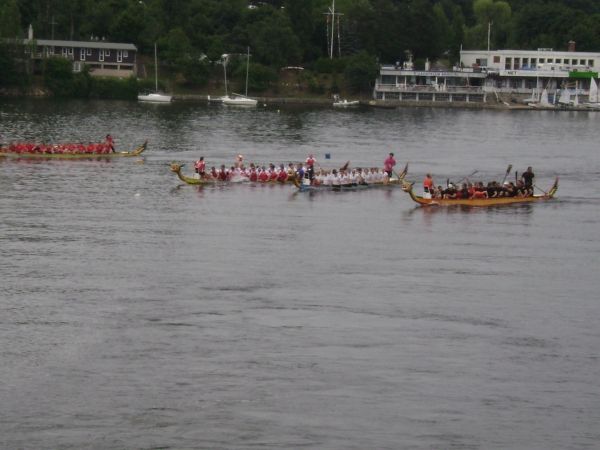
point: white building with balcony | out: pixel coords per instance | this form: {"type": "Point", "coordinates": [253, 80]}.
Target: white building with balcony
{"type": "Point", "coordinates": [524, 71]}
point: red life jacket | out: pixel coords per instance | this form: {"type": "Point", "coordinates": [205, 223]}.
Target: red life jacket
{"type": "Point", "coordinates": [282, 177]}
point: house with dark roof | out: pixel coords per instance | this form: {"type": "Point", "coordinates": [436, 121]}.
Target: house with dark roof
{"type": "Point", "coordinates": [103, 58]}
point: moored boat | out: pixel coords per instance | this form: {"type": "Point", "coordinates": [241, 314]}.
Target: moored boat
{"type": "Point", "coordinates": [67, 151]}
{"type": "Point", "coordinates": [479, 202]}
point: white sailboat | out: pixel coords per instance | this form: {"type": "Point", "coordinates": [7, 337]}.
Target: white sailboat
{"type": "Point", "coordinates": [239, 99]}
{"type": "Point", "coordinates": [542, 102]}
{"type": "Point", "coordinates": [593, 98]}
{"type": "Point", "coordinates": [565, 97]}
{"type": "Point", "coordinates": [155, 97]}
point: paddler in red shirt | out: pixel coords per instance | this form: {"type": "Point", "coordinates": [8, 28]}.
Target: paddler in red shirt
{"type": "Point", "coordinates": [282, 176]}
{"type": "Point", "coordinates": [110, 142]}
{"type": "Point", "coordinates": [200, 167]}
{"type": "Point", "coordinates": [310, 167]}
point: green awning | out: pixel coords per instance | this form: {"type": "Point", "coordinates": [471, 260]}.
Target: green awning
{"type": "Point", "coordinates": [583, 75]}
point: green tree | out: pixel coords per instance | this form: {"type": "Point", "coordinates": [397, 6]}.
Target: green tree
{"type": "Point", "coordinates": [58, 76]}
{"type": "Point", "coordinates": [10, 19]}
{"type": "Point", "coordinates": [361, 71]}
{"type": "Point", "coordinates": [273, 41]}
{"type": "Point", "coordinates": [493, 16]}
{"type": "Point", "coordinates": [9, 75]}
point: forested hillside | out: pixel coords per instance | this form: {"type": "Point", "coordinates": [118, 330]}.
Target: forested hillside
{"type": "Point", "coordinates": [193, 34]}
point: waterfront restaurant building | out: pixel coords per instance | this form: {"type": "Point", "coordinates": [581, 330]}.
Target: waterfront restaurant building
{"type": "Point", "coordinates": [524, 71]}
{"type": "Point", "coordinates": [402, 83]}
{"type": "Point", "coordinates": [495, 75]}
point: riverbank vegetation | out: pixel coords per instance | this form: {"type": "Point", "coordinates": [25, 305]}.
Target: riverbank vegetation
{"type": "Point", "coordinates": [290, 40]}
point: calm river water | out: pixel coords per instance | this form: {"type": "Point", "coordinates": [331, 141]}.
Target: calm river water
{"type": "Point", "coordinates": [138, 313]}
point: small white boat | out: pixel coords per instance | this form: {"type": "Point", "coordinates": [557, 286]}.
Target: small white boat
{"type": "Point", "coordinates": [345, 103]}
{"type": "Point", "coordinates": [155, 97]}
{"type": "Point", "coordinates": [239, 100]}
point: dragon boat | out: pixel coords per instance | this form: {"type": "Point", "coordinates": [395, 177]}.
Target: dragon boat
{"type": "Point", "coordinates": [479, 202]}
{"type": "Point", "coordinates": [10, 153]}
{"type": "Point", "coordinates": [211, 181]}
{"type": "Point", "coordinates": [396, 181]}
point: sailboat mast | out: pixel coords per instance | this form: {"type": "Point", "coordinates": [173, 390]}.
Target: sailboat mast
{"type": "Point", "coordinates": [155, 69]}
{"type": "Point", "coordinates": [247, 68]}
{"type": "Point", "coordinates": [332, 28]}
{"type": "Point", "coordinates": [225, 72]}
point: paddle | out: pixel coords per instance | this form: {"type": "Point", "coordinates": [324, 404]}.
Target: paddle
{"type": "Point", "coordinates": [467, 177]}
{"type": "Point", "coordinates": [508, 169]}
{"type": "Point", "coordinates": [541, 190]}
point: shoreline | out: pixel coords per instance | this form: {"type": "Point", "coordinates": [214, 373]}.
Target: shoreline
{"type": "Point", "coordinates": [327, 102]}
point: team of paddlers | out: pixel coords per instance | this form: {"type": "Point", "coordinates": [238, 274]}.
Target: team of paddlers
{"type": "Point", "coordinates": [301, 172]}
{"type": "Point", "coordinates": [475, 190]}
{"type": "Point", "coordinates": [96, 148]}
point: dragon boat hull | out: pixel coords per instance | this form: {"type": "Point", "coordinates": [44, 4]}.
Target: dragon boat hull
{"type": "Point", "coordinates": [209, 181]}
{"type": "Point", "coordinates": [4, 152]}
{"type": "Point", "coordinates": [480, 202]}
{"type": "Point", "coordinates": [345, 188]}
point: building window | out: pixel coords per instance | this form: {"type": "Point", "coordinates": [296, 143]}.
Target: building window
{"type": "Point", "coordinates": [542, 60]}
{"type": "Point", "coordinates": [508, 63]}
{"type": "Point", "coordinates": [496, 59]}
{"type": "Point", "coordinates": [573, 62]}
{"type": "Point", "coordinates": [550, 61]}
{"type": "Point", "coordinates": [88, 51]}
{"type": "Point", "coordinates": [70, 50]}
{"type": "Point", "coordinates": [119, 56]}
{"type": "Point", "coordinates": [82, 54]}
{"type": "Point", "coordinates": [517, 63]}
{"type": "Point", "coordinates": [582, 62]}
{"type": "Point", "coordinates": [106, 52]}
{"type": "Point", "coordinates": [101, 55]}
{"type": "Point", "coordinates": [525, 62]}
{"type": "Point", "coordinates": [533, 62]}
{"type": "Point", "coordinates": [76, 66]}
{"type": "Point", "coordinates": [125, 54]}
{"type": "Point", "coordinates": [591, 63]}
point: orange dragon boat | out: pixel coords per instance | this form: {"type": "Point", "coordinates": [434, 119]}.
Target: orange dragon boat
{"type": "Point", "coordinates": [479, 202]}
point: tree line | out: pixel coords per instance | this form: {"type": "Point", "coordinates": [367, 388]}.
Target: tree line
{"type": "Point", "coordinates": [194, 34]}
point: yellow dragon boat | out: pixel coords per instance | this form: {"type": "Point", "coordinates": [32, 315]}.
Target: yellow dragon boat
{"type": "Point", "coordinates": [479, 202]}
{"type": "Point", "coordinates": [5, 152]}
{"type": "Point", "coordinates": [210, 181]}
